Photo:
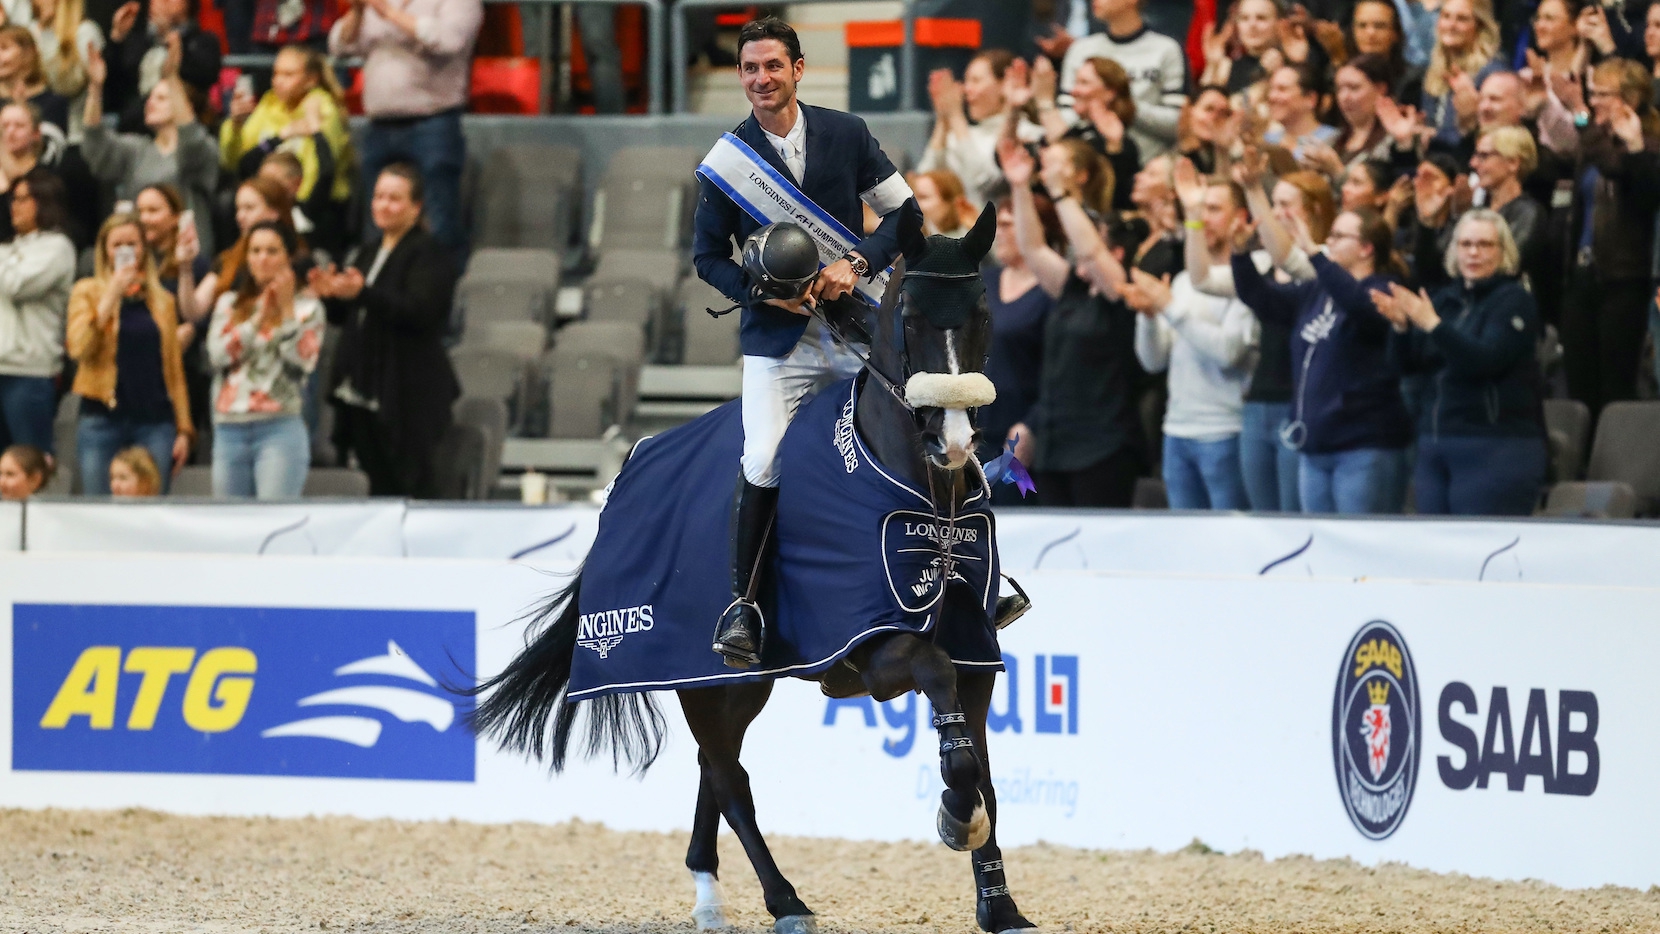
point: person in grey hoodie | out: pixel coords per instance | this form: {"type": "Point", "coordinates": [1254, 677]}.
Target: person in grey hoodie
{"type": "Point", "coordinates": [37, 270]}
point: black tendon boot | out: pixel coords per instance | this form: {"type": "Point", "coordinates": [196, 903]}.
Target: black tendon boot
{"type": "Point", "coordinates": [738, 634]}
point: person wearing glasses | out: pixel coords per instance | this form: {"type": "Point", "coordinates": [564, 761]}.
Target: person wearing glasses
{"type": "Point", "coordinates": [1480, 435]}
{"type": "Point", "coordinates": [1504, 156]}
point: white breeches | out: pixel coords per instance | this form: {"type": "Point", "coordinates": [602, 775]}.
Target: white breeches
{"type": "Point", "coordinates": [774, 388]}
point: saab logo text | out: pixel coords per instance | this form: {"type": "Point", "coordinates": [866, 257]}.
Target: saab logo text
{"type": "Point", "coordinates": [241, 691]}
{"type": "Point", "coordinates": [1569, 766]}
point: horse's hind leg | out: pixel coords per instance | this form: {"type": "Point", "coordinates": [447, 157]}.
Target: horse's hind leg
{"type": "Point", "coordinates": [893, 666]}
{"type": "Point", "coordinates": [718, 718]}
{"type": "Point", "coordinates": [702, 857]}
{"type": "Point", "coordinates": [994, 907]}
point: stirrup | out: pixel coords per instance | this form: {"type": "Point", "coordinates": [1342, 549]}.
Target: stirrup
{"type": "Point", "coordinates": [1011, 607]}
{"type": "Point", "coordinates": [750, 626]}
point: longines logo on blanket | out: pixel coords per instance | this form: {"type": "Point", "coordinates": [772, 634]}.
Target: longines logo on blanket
{"type": "Point", "coordinates": [1376, 730]}
{"type": "Point", "coordinates": [843, 439]}
{"type": "Point", "coordinates": [603, 631]}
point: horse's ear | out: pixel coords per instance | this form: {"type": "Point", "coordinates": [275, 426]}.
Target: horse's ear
{"type": "Point", "coordinates": [978, 241]}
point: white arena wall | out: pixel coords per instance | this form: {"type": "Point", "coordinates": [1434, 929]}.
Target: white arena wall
{"type": "Point", "coordinates": [1177, 678]}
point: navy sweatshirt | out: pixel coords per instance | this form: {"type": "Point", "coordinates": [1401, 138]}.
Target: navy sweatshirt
{"type": "Point", "coordinates": [1345, 392]}
{"type": "Point", "coordinates": [1483, 378]}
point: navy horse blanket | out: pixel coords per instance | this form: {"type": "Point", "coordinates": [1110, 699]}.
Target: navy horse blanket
{"type": "Point", "coordinates": [859, 552]}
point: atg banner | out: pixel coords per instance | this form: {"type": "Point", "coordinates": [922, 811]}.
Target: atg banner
{"type": "Point", "coordinates": [241, 690]}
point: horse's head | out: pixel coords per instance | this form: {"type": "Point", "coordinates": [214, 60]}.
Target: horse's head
{"type": "Point", "coordinates": [946, 329]}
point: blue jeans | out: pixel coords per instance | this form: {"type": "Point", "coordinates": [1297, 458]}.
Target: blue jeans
{"type": "Point", "coordinates": [98, 438]}
{"type": "Point", "coordinates": [267, 459]}
{"type": "Point", "coordinates": [1268, 466]}
{"type": "Point", "coordinates": [1203, 474]}
{"type": "Point", "coordinates": [438, 149]}
{"type": "Point", "coordinates": [1357, 482]}
{"type": "Point", "coordinates": [1477, 476]}
{"type": "Point", "coordinates": [28, 405]}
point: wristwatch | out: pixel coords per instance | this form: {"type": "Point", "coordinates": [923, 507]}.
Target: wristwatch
{"type": "Point", "coordinates": [861, 268]}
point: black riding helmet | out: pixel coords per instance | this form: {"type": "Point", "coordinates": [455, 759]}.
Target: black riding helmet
{"type": "Point", "coordinates": [781, 261]}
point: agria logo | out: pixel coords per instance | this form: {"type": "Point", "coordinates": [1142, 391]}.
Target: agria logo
{"type": "Point", "coordinates": [240, 691]}
{"type": "Point", "coordinates": [1376, 730]}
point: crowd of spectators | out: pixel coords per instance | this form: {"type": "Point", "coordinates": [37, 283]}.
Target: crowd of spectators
{"type": "Point", "coordinates": [173, 247]}
{"type": "Point", "coordinates": [1325, 265]}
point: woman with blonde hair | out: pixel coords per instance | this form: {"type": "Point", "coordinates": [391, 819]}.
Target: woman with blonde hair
{"type": "Point", "coordinates": [22, 79]}
{"type": "Point", "coordinates": [1466, 43]}
{"type": "Point", "coordinates": [123, 333]}
{"type": "Point", "coordinates": [62, 32]}
{"type": "Point", "coordinates": [945, 209]}
{"type": "Point", "coordinates": [304, 113]}
{"type": "Point", "coordinates": [180, 152]}
{"type": "Point", "coordinates": [133, 473]}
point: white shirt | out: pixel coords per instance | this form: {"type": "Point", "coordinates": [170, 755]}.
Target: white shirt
{"type": "Point", "coordinates": [792, 147]}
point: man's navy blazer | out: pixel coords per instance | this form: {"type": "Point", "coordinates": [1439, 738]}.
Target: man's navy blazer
{"type": "Point", "coordinates": [843, 162]}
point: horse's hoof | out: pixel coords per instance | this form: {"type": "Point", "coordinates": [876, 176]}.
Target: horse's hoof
{"type": "Point", "coordinates": [795, 924]}
{"type": "Point", "coordinates": [710, 917]}
{"type": "Point", "coordinates": [960, 835]}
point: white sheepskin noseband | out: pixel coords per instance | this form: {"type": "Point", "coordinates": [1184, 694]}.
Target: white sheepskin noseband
{"type": "Point", "coordinates": [949, 391]}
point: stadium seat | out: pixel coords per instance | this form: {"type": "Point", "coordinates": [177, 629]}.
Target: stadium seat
{"type": "Point", "coordinates": [661, 268]}
{"type": "Point", "coordinates": [645, 200]}
{"type": "Point", "coordinates": [509, 284]}
{"type": "Point", "coordinates": [1627, 449]}
{"type": "Point", "coordinates": [494, 374]}
{"type": "Point", "coordinates": [1149, 494]}
{"type": "Point", "coordinates": [335, 481]}
{"type": "Point", "coordinates": [523, 339]}
{"type": "Point", "coordinates": [529, 196]}
{"type": "Point", "coordinates": [489, 416]}
{"type": "Point", "coordinates": [625, 301]}
{"type": "Point", "coordinates": [1591, 501]}
{"type": "Point", "coordinates": [506, 85]}
{"type": "Point", "coordinates": [706, 340]}
{"type": "Point", "coordinates": [460, 463]}
{"type": "Point", "coordinates": [1568, 422]}
{"type": "Point", "coordinates": [193, 480]}
{"type": "Point", "coordinates": [592, 376]}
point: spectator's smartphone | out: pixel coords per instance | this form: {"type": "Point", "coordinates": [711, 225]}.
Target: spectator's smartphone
{"type": "Point", "coordinates": [245, 85]}
{"type": "Point", "coordinates": [187, 220]}
{"type": "Point", "coordinates": [125, 256]}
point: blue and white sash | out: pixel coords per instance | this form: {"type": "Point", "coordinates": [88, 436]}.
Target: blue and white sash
{"type": "Point", "coordinates": [770, 198]}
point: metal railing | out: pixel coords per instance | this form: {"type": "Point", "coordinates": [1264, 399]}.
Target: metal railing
{"type": "Point", "coordinates": [678, 48]}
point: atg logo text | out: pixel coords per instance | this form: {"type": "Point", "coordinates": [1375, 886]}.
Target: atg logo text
{"type": "Point", "coordinates": [214, 699]}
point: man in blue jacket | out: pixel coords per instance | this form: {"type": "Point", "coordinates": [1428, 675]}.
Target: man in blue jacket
{"type": "Point", "coordinates": [834, 161]}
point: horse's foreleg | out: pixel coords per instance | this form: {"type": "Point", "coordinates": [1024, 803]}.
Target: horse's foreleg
{"type": "Point", "coordinates": [718, 718]}
{"type": "Point", "coordinates": [899, 662]}
{"type": "Point", "coordinates": [702, 857]}
{"type": "Point", "coordinates": [994, 907]}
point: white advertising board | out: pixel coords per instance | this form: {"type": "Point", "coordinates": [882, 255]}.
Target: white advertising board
{"type": "Point", "coordinates": [1139, 711]}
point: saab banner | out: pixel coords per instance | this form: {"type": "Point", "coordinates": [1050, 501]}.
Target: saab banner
{"type": "Point", "coordinates": [1496, 729]}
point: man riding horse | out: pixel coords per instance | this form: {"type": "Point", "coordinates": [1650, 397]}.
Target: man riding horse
{"type": "Point", "coordinates": [835, 163]}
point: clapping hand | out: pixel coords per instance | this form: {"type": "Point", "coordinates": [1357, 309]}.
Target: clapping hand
{"type": "Point", "coordinates": [121, 25]}
{"type": "Point", "coordinates": [1146, 294]}
{"type": "Point", "coordinates": [1402, 123]}
{"type": "Point", "coordinates": [278, 296]}
{"type": "Point", "coordinates": [1016, 162]}
{"type": "Point", "coordinates": [1108, 124]}
{"type": "Point", "coordinates": [1626, 125]}
{"type": "Point", "coordinates": [1431, 192]}
{"type": "Point", "coordinates": [1568, 90]}
{"type": "Point", "coordinates": [1017, 87]}
{"type": "Point", "coordinates": [1322, 159]}
{"type": "Point", "coordinates": [1294, 38]}
{"type": "Point", "coordinates": [1593, 27]}
{"type": "Point", "coordinates": [1465, 97]}
{"type": "Point", "coordinates": [1189, 189]}
{"type": "Point", "coordinates": [945, 92]}
{"type": "Point", "coordinates": [1043, 81]}
{"type": "Point", "coordinates": [1056, 43]}
{"type": "Point", "coordinates": [97, 70]}
{"type": "Point", "coordinates": [1250, 168]}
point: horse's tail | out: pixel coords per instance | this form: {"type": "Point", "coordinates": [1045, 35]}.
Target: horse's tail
{"type": "Point", "coordinates": [528, 692]}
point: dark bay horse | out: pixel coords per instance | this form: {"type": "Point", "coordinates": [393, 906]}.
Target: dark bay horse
{"type": "Point", "coordinates": [933, 323]}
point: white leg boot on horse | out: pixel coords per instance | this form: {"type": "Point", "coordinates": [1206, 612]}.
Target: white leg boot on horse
{"type": "Point", "coordinates": [739, 633]}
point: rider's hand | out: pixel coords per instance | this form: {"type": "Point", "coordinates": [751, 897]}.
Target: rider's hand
{"type": "Point", "coordinates": [836, 280]}
{"type": "Point", "coordinates": [797, 307]}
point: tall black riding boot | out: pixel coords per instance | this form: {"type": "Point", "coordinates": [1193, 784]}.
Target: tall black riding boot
{"type": "Point", "coordinates": [738, 634]}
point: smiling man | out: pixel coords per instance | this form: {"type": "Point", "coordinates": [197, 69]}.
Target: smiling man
{"type": "Point", "coordinates": [830, 159]}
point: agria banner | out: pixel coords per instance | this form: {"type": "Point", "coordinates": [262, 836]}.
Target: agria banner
{"type": "Point", "coordinates": [241, 691]}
